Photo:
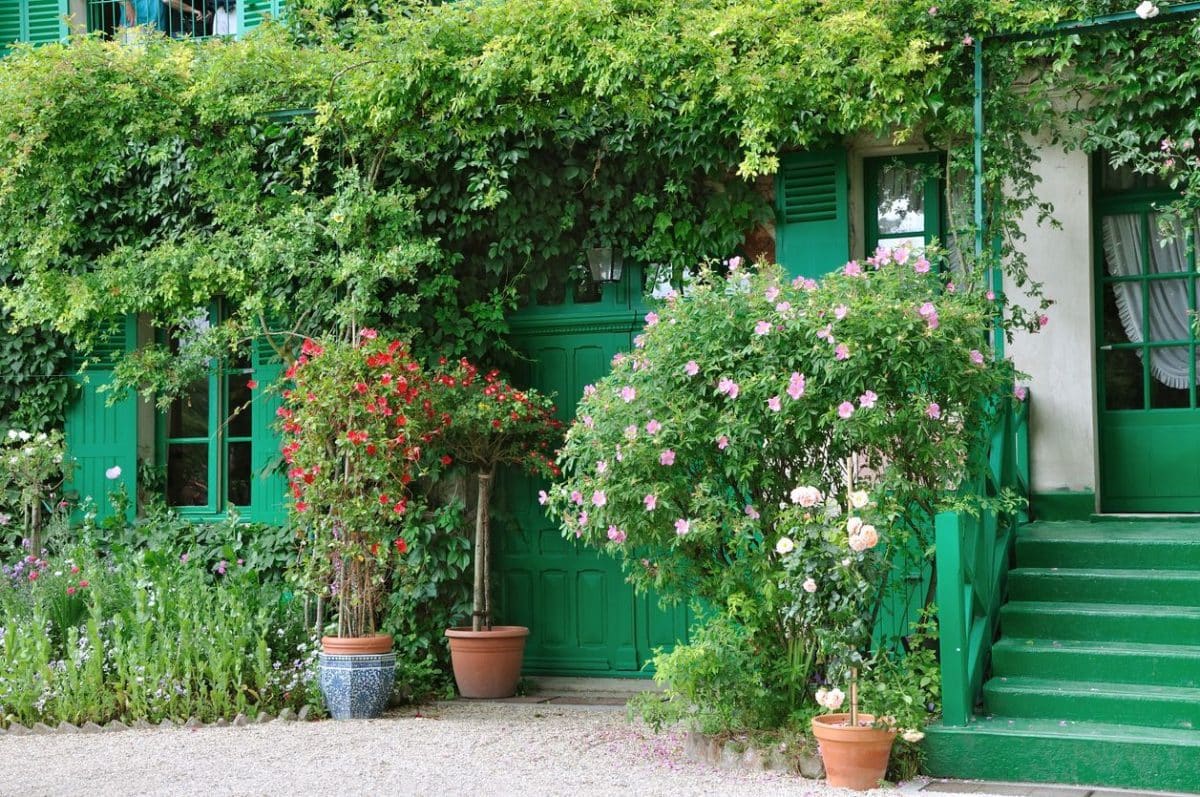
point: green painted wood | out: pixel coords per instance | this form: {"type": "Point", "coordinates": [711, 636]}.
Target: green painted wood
{"type": "Point", "coordinates": [268, 491]}
{"type": "Point", "coordinates": [1161, 625]}
{"type": "Point", "coordinates": [1152, 705]}
{"type": "Point", "coordinates": [1113, 545]}
{"type": "Point", "coordinates": [1096, 585]}
{"type": "Point", "coordinates": [255, 11]}
{"type": "Point", "coordinates": [584, 619]}
{"type": "Point", "coordinates": [1059, 751]}
{"type": "Point", "coordinates": [1063, 505]}
{"type": "Point", "coordinates": [812, 215]}
{"type": "Point", "coordinates": [99, 436]}
{"type": "Point", "coordinates": [1165, 665]}
{"type": "Point", "coordinates": [36, 21]}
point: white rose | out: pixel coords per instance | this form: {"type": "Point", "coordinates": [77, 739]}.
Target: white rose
{"type": "Point", "coordinates": [806, 496]}
{"type": "Point", "coordinates": [859, 498]}
{"type": "Point", "coordinates": [1147, 10]}
{"type": "Point", "coordinates": [853, 524]}
{"type": "Point", "coordinates": [810, 586]}
{"type": "Point", "coordinates": [12, 434]}
{"type": "Point", "coordinates": [784, 546]}
{"type": "Point", "coordinates": [913, 736]}
{"type": "Point", "coordinates": [821, 696]}
{"type": "Point", "coordinates": [113, 473]}
{"type": "Point", "coordinates": [25, 436]}
{"type": "Point", "coordinates": [834, 700]}
{"type": "Point", "coordinates": [869, 535]}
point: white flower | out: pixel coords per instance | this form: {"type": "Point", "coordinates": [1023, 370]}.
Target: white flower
{"type": "Point", "coordinates": [25, 436]}
{"type": "Point", "coordinates": [810, 586]}
{"type": "Point", "coordinates": [821, 696]}
{"type": "Point", "coordinates": [5, 519]}
{"type": "Point", "coordinates": [806, 496]}
{"type": "Point", "coordinates": [1147, 10]}
{"type": "Point", "coordinates": [113, 473]}
{"type": "Point", "coordinates": [859, 498]}
{"type": "Point", "coordinates": [41, 437]}
{"type": "Point", "coordinates": [853, 524]}
{"type": "Point", "coordinates": [912, 735]}
{"type": "Point", "coordinates": [12, 434]}
{"type": "Point", "coordinates": [834, 699]}
{"type": "Point", "coordinates": [784, 546]}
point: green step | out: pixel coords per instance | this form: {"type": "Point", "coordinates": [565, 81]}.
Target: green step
{"type": "Point", "coordinates": [1053, 620]}
{"type": "Point", "coordinates": [1094, 701]}
{"type": "Point", "coordinates": [1112, 545]}
{"type": "Point", "coordinates": [1051, 751]}
{"type": "Point", "coordinates": [1092, 585]}
{"type": "Point", "coordinates": [1165, 665]}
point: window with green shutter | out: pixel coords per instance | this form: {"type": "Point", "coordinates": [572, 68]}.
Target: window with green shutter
{"type": "Point", "coordinates": [903, 200]}
{"type": "Point", "coordinates": [37, 21]}
{"type": "Point", "coordinates": [812, 217]}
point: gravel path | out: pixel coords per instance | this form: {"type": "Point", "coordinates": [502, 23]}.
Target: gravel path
{"type": "Point", "coordinates": [458, 748]}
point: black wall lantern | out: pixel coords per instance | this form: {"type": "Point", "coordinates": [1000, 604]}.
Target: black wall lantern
{"type": "Point", "coordinates": [605, 263]}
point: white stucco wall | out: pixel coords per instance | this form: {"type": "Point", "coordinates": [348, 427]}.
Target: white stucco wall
{"type": "Point", "coordinates": [1059, 360]}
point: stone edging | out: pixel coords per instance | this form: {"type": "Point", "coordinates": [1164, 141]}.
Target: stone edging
{"type": "Point", "coordinates": [740, 753]}
{"type": "Point", "coordinates": [240, 721]}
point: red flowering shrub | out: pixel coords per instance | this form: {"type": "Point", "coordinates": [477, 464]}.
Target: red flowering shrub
{"type": "Point", "coordinates": [358, 426]}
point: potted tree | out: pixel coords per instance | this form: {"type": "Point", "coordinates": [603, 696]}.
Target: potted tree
{"type": "Point", "coordinates": [355, 423]}
{"type": "Point", "coordinates": [491, 424]}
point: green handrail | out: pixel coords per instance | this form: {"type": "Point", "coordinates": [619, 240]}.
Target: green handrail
{"type": "Point", "coordinates": [972, 561]}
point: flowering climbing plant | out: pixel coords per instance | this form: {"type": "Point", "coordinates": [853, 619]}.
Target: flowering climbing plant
{"type": "Point", "coordinates": [359, 427]}
{"type": "Point", "coordinates": [772, 446]}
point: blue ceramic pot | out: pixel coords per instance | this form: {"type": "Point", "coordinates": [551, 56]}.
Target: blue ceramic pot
{"type": "Point", "coordinates": [357, 686]}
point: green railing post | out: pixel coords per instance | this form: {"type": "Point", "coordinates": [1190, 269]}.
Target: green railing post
{"type": "Point", "coordinates": [953, 604]}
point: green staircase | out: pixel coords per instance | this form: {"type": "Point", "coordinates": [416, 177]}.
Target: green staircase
{"type": "Point", "coordinates": [1095, 678]}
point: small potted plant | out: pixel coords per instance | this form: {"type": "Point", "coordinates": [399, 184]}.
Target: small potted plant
{"type": "Point", "coordinates": [491, 424]}
{"type": "Point", "coordinates": [355, 422]}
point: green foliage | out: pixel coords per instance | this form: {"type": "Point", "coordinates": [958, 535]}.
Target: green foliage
{"type": "Point", "coordinates": [356, 423]}
{"type": "Point", "coordinates": [31, 477]}
{"type": "Point", "coordinates": [35, 390]}
{"type": "Point", "coordinates": [772, 450]}
{"type": "Point", "coordinates": [87, 637]}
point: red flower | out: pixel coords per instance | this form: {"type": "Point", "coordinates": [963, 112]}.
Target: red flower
{"type": "Point", "coordinates": [371, 448]}
{"type": "Point", "coordinates": [70, 590]}
{"type": "Point", "coordinates": [356, 436]}
{"type": "Point", "coordinates": [251, 384]}
{"type": "Point", "coordinates": [447, 459]}
{"type": "Point", "coordinates": [496, 423]}
{"type": "Point", "coordinates": [361, 387]}
{"type": "Point", "coordinates": [301, 506]}
{"type": "Point", "coordinates": [374, 549]}
{"type": "Point", "coordinates": [383, 499]}
{"type": "Point", "coordinates": [401, 545]}
{"type": "Point", "coordinates": [83, 585]}
{"type": "Point", "coordinates": [368, 334]}
{"type": "Point", "coordinates": [400, 508]}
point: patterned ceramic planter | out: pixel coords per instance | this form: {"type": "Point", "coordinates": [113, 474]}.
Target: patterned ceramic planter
{"type": "Point", "coordinates": [357, 685]}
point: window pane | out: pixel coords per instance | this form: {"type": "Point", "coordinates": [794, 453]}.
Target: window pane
{"type": "Point", "coordinates": [587, 290]}
{"type": "Point", "coordinates": [1123, 312]}
{"type": "Point", "coordinates": [189, 413]}
{"type": "Point", "coordinates": [1123, 380]}
{"type": "Point", "coordinates": [1170, 317]}
{"type": "Point", "coordinates": [239, 406]}
{"type": "Point", "coordinates": [187, 474]}
{"type": "Point", "coordinates": [239, 474]}
{"type": "Point", "coordinates": [1169, 377]}
{"type": "Point", "coordinates": [901, 203]}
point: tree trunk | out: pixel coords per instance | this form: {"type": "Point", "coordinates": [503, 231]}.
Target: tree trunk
{"type": "Point", "coordinates": [481, 532]}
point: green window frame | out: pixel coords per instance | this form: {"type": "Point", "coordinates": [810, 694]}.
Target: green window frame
{"type": "Point", "coordinates": [206, 440]}
{"type": "Point", "coordinates": [881, 175]}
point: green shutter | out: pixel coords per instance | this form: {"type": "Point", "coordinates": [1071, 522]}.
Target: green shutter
{"type": "Point", "coordinates": [268, 492]}
{"type": "Point", "coordinates": [254, 10]}
{"type": "Point", "coordinates": [100, 436]}
{"type": "Point", "coordinates": [812, 214]}
{"type": "Point", "coordinates": [10, 25]}
{"type": "Point", "coordinates": [45, 21]}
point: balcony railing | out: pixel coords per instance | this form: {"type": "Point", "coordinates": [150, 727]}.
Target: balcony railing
{"type": "Point", "coordinates": [196, 19]}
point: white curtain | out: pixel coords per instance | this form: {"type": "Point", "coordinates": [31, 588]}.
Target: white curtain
{"type": "Point", "coordinates": [1169, 318]}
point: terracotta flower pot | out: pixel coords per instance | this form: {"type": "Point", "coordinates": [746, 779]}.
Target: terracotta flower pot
{"type": "Point", "coordinates": [487, 664]}
{"type": "Point", "coordinates": [856, 757]}
{"type": "Point", "coordinates": [357, 675]}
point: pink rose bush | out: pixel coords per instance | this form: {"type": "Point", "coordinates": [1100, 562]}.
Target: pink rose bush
{"type": "Point", "coordinates": [725, 441]}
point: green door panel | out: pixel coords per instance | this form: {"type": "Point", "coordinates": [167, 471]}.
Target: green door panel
{"type": "Point", "coordinates": [1150, 461]}
{"type": "Point", "coordinates": [584, 619]}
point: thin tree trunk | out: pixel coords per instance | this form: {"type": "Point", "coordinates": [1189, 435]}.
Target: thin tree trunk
{"type": "Point", "coordinates": [480, 607]}
{"type": "Point", "coordinates": [484, 510]}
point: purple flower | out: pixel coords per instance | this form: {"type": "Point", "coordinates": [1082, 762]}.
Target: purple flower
{"type": "Point", "coordinates": [589, 390]}
{"type": "Point", "coordinates": [577, 497]}
{"type": "Point", "coordinates": [220, 567]}
{"type": "Point", "coordinates": [628, 394]}
{"type": "Point", "coordinates": [845, 409]}
{"type": "Point", "coordinates": [934, 410]}
{"type": "Point", "coordinates": [751, 512]}
{"type": "Point", "coordinates": [976, 356]}
{"type": "Point", "coordinates": [1021, 392]}
{"type": "Point", "coordinates": [653, 427]}
{"type": "Point", "coordinates": [651, 319]}
{"type": "Point", "coordinates": [691, 369]}
{"type": "Point", "coordinates": [867, 399]}
{"type": "Point", "coordinates": [616, 535]}
{"type": "Point", "coordinates": [682, 527]}
{"type": "Point", "coordinates": [842, 352]}
{"type": "Point", "coordinates": [762, 328]}
{"type": "Point", "coordinates": [651, 501]}
{"type": "Point", "coordinates": [728, 387]}
{"type": "Point", "coordinates": [921, 265]}
{"type": "Point", "coordinates": [667, 457]}
{"type": "Point", "coordinates": [599, 498]}
{"type": "Point", "coordinates": [852, 269]}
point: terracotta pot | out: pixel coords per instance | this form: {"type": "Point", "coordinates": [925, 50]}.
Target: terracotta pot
{"type": "Point", "coordinates": [356, 645]}
{"type": "Point", "coordinates": [487, 664]}
{"type": "Point", "coordinates": [357, 675]}
{"type": "Point", "coordinates": [855, 757]}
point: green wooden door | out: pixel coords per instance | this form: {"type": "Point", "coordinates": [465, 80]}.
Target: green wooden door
{"type": "Point", "coordinates": [584, 619]}
{"type": "Point", "coordinates": [1146, 361]}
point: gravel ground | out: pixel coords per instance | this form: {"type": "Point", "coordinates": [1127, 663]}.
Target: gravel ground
{"type": "Point", "coordinates": [450, 749]}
